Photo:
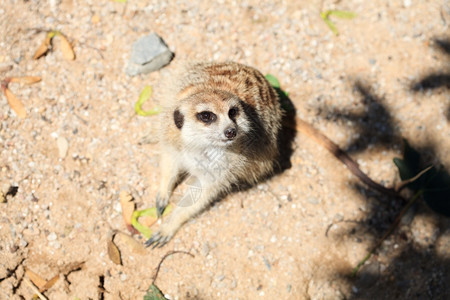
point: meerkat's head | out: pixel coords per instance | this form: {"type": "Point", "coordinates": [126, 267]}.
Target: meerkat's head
{"type": "Point", "coordinates": [211, 118]}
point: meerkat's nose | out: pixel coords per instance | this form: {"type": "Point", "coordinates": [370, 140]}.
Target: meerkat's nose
{"type": "Point", "coordinates": [230, 133]}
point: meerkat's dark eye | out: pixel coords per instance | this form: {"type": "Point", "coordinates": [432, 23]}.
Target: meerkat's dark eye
{"type": "Point", "coordinates": [232, 112]}
{"type": "Point", "coordinates": [206, 117]}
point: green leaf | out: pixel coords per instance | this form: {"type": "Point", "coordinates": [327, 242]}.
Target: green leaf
{"type": "Point", "coordinates": [337, 13]}
{"type": "Point", "coordinates": [404, 169]}
{"type": "Point", "coordinates": [120, 1]}
{"type": "Point", "coordinates": [52, 34]}
{"type": "Point", "coordinates": [341, 14]}
{"type": "Point", "coordinates": [143, 97]}
{"type": "Point", "coordinates": [409, 167]}
{"type": "Point", "coordinates": [434, 183]}
{"type": "Point", "coordinates": [154, 293]}
{"type": "Point", "coordinates": [412, 157]}
{"type": "Point", "coordinates": [273, 81]}
{"type": "Point", "coordinates": [145, 231]}
{"type": "Point", "coordinates": [324, 15]}
{"type": "Point", "coordinates": [331, 26]}
{"type": "Point", "coordinates": [151, 212]}
{"type": "Point", "coordinates": [437, 192]}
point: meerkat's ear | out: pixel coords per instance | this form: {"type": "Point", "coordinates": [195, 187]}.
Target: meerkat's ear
{"type": "Point", "coordinates": [178, 118]}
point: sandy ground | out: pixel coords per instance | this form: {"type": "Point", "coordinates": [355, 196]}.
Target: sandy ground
{"type": "Point", "coordinates": [295, 236]}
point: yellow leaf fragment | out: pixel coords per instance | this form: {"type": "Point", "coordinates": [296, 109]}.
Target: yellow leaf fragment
{"type": "Point", "coordinates": [66, 48]}
{"type": "Point", "coordinates": [44, 47]}
{"type": "Point", "coordinates": [15, 103]}
{"type": "Point", "coordinates": [36, 279]}
{"type": "Point", "coordinates": [127, 204]}
{"type": "Point", "coordinates": [143, 97]}
{"type": "Point", "coordinates": [49, 284]}
{"type": "Point", "coordinates": [113, 252]}
{"type": "Point", "coordinates": [26, 79]}
{"type": "Point", "coordinates": [131, 243]}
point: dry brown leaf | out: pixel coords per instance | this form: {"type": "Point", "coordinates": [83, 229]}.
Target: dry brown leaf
{"type": "Point", "coordinates": [66, 48]}
{"type": "Point", "coordinates": [72, 267]}
{"type": "Point", "coordinates": [15, 103]}
{"type": "Point", "coordinates": [36, 279]}
{"type": "Point", "coordinates": [5, 67]}
{"type": "Point", "coordinates": [49, 284]}
{"type": "Point", "coordinates": [26, 79]}
{"type": "Point", "coordinates": [127, 204]}
{"type": "Point", "coordinates": [113, 252]}
{"type": "Point", "coordinates": [131, 243]}
{"type": "Point", "coordinates": [43, 48]}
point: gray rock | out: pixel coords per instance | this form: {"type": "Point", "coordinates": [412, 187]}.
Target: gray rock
{"type": "Point", "coordinates": [148, 54]}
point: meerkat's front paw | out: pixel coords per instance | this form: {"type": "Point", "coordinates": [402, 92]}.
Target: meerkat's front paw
{"type": "Point", "coordinates": [162, 236]}
{"type": "Point", "coordinates": [161, 203]}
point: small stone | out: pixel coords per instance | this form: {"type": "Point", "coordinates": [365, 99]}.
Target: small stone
{"type": "Point", "coordinates": [148, 54]}
{"type": "Point", "coordinates": [123, 277]}
{"type": "Point", "coordinates": [52, 237]}
{"type": "Point", "coordinates": [313, 200]}
{"type": "Point", "coordinates": [63, 147]}
{"type": "Point", "coordinates": [55, 244]}
{"type": "Point", "coordinates": [205, 249]}
{"type": "Point", "coordinates": [23, 243]}
{"type": "Point", "coordinates": [117, 207]}
{"type": "Point", "coordinates": [407, 3]}
{"type": "Point", "coordinates": [233, 284]}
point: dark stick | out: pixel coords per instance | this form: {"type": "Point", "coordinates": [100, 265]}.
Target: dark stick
{"type": "Point", "coordinates": [164, 257]}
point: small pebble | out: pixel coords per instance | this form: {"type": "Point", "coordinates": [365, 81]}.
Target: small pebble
{"type": "Point", "coordinates": [205, 249]}
{"type": "Point", "coordinates": [220, 277]}
{"type": "Point", "coordinates": [63, 147]}
{"type": "Point", "coordinates": [55, 244]}
{"type": "Point", "coordinates": [52, 237]}
{"type": "Point", "coordinates": [149, 53]}
{"type": "Point", "coordinates": [313, 200]}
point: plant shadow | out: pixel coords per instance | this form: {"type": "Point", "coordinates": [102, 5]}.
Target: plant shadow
{"type": "Point", "coordinates": [439, 81]}
{"type": "Point", "coordinates": [402, 267]}
{"type": "Point", "coordinates": [374, 125]}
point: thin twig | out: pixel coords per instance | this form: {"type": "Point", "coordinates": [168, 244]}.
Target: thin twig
{"type": "Point", "coordinates": [34, 288]}
{"type": "Point", "coordinates": [343, 221]}
{"type": "Point", "coordinates": [404, 183]}
{"type": "Point", "coordinates": [393, 226]}
{"type": "Point", "coordinates": [164, 257]}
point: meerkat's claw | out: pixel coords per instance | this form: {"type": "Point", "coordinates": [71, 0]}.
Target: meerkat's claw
{"type": "Point", "coordinates": [161, 203]}
{"type": "Point", "coordinates": [160, 209]}
{"type": "Point", "coordinates": [157, 240]}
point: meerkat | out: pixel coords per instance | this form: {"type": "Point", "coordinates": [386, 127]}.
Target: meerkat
{"type": "Point", "coordinates": [219, 127]}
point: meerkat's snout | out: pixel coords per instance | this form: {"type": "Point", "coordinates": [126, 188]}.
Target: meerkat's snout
{"type": "Point", "coordinates": [230, 133]}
